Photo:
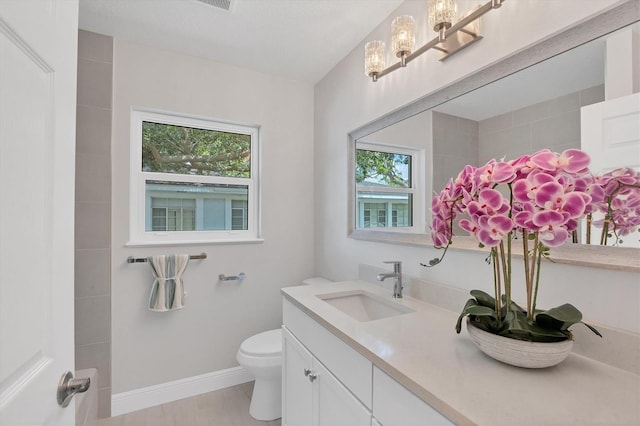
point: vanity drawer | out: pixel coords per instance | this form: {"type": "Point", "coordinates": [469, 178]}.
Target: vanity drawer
{"type": "Point", "coordinates": [344, 362]}
{"type": "Point", "coordinates": [393, 404]}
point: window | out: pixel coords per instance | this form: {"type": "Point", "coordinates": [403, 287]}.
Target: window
{"type": "Point", "coordinates": [192, 180]}
{"type": "Point", "coordinates": [387, 196]}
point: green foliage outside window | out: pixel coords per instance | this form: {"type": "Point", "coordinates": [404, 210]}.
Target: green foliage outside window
{"type": "Point", "coordinates": [175, 149]}
{"type": "Point", "coordinates": [383, 168]}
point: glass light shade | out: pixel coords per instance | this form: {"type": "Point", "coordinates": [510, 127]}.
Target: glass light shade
{"type": "Point", "coordinates": [442, 14]}
{"type": "Point", "coordinates": [403, 35]}
{"type": "Point", "coordinates": [374, 57]}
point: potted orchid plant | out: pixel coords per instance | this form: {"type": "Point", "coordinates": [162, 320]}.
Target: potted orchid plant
{"type": "Point", "coordinates": [536, 201]}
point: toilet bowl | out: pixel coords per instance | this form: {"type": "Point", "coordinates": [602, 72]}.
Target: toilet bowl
{"type": "Point", "coordinates": [261, 355]}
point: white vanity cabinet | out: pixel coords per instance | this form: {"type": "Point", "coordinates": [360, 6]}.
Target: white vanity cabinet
{"type": "Point", "coordinates": [312, 395]}
{"type": "Point", "coordinates": [324, 380]}
{"type": "Point", "coordinates": [327, 382]}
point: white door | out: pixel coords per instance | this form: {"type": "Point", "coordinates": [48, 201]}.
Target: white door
{"type": "Point", "coordinates": [38, 57]}
{"type": "Point", "coordinates": [610, 133]}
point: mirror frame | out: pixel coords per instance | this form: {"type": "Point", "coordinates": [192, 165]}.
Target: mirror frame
{"type": "Point", "coordinates": [616, 258]}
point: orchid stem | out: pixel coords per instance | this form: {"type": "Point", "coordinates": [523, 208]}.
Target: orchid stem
{"type": "Point", "coordinates": [535, 294]}
{"type": "Point", "coordinates": [536, 257]}
{"type": "Point", "coordinates": [527, 275]}
{"type": "Point", "coordinates": [496, 282]}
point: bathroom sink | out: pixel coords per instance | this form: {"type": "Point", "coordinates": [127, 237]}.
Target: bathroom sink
{"type": "Point", "coordinates": [364, 306]}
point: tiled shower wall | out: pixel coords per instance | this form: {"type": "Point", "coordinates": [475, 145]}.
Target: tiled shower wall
{"type": "Point", "coordinates": [455, 144]}
{"type": "Point", "coordinates": [93, 212]}
{"type": "Point", "coordinates": [553, 124]}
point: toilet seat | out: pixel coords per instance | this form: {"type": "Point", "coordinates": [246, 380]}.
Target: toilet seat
{"type": "Point", "coordinates": [265, 344]}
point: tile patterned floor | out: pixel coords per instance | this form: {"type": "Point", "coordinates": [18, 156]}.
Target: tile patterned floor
{"type": "Point", "coordinates": [225, 407]}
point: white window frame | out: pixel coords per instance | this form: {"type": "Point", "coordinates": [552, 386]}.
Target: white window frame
{"type": "Point", "coordinates": [138, 236]}
{"type": "Point", "coordinates": [417, 187]}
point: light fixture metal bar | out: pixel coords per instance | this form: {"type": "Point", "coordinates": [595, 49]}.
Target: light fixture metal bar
{"type": "Point", "coordinates": [471, 33]}
{"type": "Point", "coordinates": [431, 44]}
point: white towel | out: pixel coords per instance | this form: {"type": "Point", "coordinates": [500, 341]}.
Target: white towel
{"type": "Point", "coordinates": [167, 292]}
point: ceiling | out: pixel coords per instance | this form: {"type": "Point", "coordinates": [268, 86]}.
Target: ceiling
{"type": "Point", "coordinates": [577, 69]}
{"type": "Point", "coordinates": [295, 39]}
{"type": "Point", "coordinates": [572, 71]}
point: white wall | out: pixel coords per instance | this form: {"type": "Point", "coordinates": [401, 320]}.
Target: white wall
{"type": "Point", "coordinates": [152, 348]}
{"type": "Point", "coordinates": [345, 100]}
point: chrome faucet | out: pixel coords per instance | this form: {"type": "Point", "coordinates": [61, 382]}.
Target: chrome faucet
{"type": "Point", "coordinates": [396, 275]}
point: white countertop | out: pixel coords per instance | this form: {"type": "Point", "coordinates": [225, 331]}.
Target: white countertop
{"type": "Point", "coordinates": [422, 351]}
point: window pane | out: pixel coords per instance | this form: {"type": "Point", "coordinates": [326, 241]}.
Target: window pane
{"type": "Point", "coordinates": [168, 148]}
{"type": "Point", "coordinates": [383, 209]}
{"type": "Point", "coordinates": [182, 206]}
{"type": "Point", "coordinates": [214, 209]}
{"type": "Point", "coordinates": [378, 168]}
{"type": "Point", "coordinates": [239, 216]}
{"type": "Point", "coordinates": [159, 219]}
{"type": "Point", "coordinates": [401, 214]}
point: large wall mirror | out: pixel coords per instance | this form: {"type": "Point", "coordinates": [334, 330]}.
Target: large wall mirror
{"type": "Point", "coordinates": [532, 100]}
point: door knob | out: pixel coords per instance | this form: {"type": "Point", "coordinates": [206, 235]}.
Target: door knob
{"type": "Point", "coordinates": [68, 386]}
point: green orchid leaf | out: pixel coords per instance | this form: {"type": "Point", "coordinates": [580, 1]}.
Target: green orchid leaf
{"type": "Point", "coordinates": [470, 303]}
{"type": "Point", "coordinates": [513, 306]}
{"type": "Point", "coordinates": [488, 323]}
{"type": "Point", "coordinates": [484, 299]}
{"type": "Point", "coordinates": [516, 326]}
{"type": "Point", "coordinates": [480, 311]}
{"type": "Point", "coordinates": [559, 318]}
{"type": "Point", "coordinates": [474, 309]}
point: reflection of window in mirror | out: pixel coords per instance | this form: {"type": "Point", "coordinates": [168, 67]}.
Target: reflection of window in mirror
{"type": "Point", "coordinates": [388, 187]}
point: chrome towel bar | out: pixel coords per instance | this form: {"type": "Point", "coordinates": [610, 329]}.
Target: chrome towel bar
{"type": "Point", "coordinates": [132, 259]}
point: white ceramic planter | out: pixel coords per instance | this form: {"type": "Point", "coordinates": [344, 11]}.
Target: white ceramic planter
{"type": "Point", "coordinates": [518, 352]}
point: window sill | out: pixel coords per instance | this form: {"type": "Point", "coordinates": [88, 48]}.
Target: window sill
{"type": "Point", "coordinates": [194, 242]}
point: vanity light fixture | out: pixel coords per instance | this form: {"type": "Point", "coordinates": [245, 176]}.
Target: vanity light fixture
{"type": "Point", "coordinates": [374, 58]}
{"type": "Point", "coordinates": [442, 14]}
{"type": "Point", "coordinates": [403, 36]}
{"type": "Point", "coordinates": [452, 36]}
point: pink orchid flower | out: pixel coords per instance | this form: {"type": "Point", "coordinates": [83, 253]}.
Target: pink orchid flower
{"type": "Point", "coordinates": [571, 160]}
{"type": "Point", "coordinates": [525, 189]}
{"type": "Point", "coordinates": [494, 173]}
{"type": "Point", "coordinates": [551, 196]}
{"type": "Point", "coordinates": [490, 202]}
{"type": "Point", "coordinates": [492, 229]}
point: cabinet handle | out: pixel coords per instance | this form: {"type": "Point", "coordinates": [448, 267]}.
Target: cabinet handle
{"type": "Point", "coordinates": [310, 375]}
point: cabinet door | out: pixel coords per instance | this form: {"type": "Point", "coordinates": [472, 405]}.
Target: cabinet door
{"type": "Point", "coordinates": [334, 405]}
{"type": "Point", "coordinates": [297, 395]}
{"type": "Point", "coordinates": [395, 405]}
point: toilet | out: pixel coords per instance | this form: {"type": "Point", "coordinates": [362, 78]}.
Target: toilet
{"type": "Point", "coordinates": [261, 355]}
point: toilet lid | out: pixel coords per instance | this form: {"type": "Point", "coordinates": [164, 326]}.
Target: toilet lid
{"type": "Point", "coordinates": [263, 344]}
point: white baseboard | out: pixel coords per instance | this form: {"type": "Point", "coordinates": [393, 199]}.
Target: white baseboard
{"type": "Point", "coordinates": [137, 399]}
